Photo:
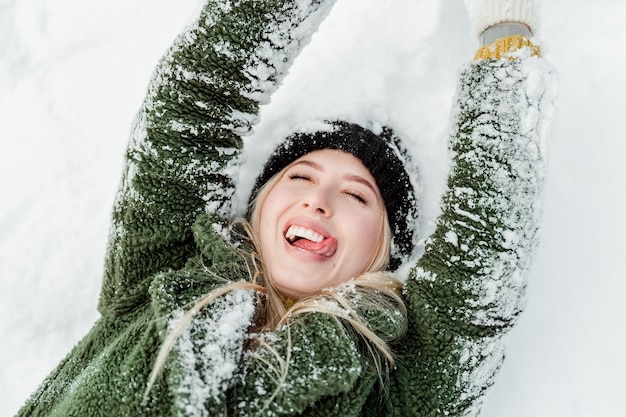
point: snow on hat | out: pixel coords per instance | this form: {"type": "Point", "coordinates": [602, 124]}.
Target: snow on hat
{"type": "Point", "coordinates": [385, 159]}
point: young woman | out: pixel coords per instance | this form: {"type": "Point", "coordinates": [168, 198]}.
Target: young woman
{"type": "Point", "coordinates": [294, 310]}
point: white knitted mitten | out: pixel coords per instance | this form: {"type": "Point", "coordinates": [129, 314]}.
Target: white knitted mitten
{"type": "Point", "coordinates": [487, 13]}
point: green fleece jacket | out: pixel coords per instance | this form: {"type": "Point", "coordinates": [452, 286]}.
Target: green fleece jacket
{"type": "Point", "coordinates": [168, 247]}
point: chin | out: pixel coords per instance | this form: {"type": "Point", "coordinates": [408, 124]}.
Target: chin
{"type": "Point", "coordinates": [288, 289]}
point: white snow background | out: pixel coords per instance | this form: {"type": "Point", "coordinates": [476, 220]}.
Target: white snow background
{"type": "Point", "coordinates": [73, 73]}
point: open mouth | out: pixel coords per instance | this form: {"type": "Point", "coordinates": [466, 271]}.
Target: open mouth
{"type": "Point", "coordinates": [311, 241]}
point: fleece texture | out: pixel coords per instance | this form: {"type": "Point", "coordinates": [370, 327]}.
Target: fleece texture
{"type": "Point", "coordinates": [169, 246]}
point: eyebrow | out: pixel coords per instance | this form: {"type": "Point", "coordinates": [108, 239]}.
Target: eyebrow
{"type": "Point", "coordinates": [361, 180]}
{"type": "Point", "coordinates": [348, 177]}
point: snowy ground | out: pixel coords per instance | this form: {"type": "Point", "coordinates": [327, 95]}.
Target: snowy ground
{"type": "Point", "coordinates": [72, 74]}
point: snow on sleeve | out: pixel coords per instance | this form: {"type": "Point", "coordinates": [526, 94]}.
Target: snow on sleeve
{"type": "Point", "coordinates": [310, 359]}
{"type": "Point", "coordinates": [273, 57]}
{"type": "Point", "coordinates": [497, 178]}
{"type": "Point", "coordinates": [468, 288]}
{"type": "Point", "coordinates": [208, 352]}
{"type": "Point", "coordinates": [207, 89]}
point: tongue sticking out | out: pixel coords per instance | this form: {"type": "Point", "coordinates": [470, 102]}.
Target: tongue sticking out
{"type": "Point", "coordinates": [325, 248]}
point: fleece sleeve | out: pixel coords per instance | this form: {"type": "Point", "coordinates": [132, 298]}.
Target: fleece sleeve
{"type": "Point", "coordinates": [184, 146]}
{"type": "Point", "coordinates": [468, 288]}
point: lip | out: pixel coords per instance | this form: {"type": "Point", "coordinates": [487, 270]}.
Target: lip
{"type": "Point", "coordinates": [297, 252]}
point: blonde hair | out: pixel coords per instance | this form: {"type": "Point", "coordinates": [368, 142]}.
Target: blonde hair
{"type": "Point", "coordinates": [376, 287]}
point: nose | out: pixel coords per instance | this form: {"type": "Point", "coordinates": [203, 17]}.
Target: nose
{"type": "Point", "coordinates": [318, 202]}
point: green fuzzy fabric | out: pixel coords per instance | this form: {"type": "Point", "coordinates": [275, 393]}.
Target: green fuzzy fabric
{"type": "Point", "coordinates": [169, 247]}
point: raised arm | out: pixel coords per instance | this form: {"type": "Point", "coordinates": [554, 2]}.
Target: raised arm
{"type": "Point", "coordinates": [186, 140]}
{"type": "Point", "coordinates": [468, 288]}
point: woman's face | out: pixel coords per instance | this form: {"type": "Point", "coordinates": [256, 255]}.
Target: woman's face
{"type": "Point", "coordinates": [321, 223]}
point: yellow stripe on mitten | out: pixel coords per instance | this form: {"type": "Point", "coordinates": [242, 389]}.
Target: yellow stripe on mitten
{"type": "Point", "coordinates": [504, 48]}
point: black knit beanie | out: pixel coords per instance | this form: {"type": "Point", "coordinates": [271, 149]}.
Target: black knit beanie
{"type": "Point", "coordinates": [381, 154]}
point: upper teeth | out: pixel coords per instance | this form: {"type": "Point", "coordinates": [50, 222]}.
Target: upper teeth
{"type": "Point", "coordinates": [299, 231]}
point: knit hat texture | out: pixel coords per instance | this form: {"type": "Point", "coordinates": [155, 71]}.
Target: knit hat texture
{"type": "Point", "coordinates": [385, 159]}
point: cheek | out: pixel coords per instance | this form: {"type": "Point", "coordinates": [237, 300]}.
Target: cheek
{"type": "Point", "coordinates": [271, 210]}
{"type": "Point", "coordinates": [367, 235]}
{"type": "Point", "coordinates": [268, 209]}
{"type": "Point", "coordinates": [264, 223]}
{"type": "Point", "coordinates": [275, 200]}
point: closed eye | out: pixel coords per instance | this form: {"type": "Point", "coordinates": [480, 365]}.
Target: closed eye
{"type": "Point", "coordinates": [299, 176]}
{"type": "Point", "coordinates": [357, 196]}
